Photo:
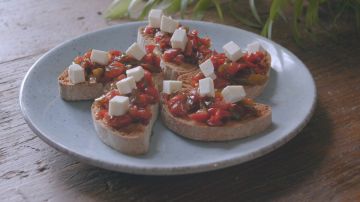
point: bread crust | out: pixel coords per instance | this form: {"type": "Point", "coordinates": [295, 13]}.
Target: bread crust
{"type": "Point", "coordinates": [230, 131]}
{"type": "Point", "coordinates": [132, 140]}
{"type": "Point", "coordinates": [90, 91]}
{"type": "Point", "coordinates": [171, 70]}
{"type": "Point", "coordinates": [251, 91]}
{"type": "Point", "coordinates": [80, 91]}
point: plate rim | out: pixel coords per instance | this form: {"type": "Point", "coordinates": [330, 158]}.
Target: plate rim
{"type": "Point", "coordinates": [153, 170]}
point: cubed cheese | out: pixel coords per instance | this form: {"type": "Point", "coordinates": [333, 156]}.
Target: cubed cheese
{"type": "Point", "coordinates": [141, 41]}
{"type": "Point", "coordinates": [76, 74]}
{"type": "Point", "coordinates": [171, 86]}
{"type": "Point", "coordinates": [206, 87]}
{"type": "Point", "coordinates": [207, 68]}
{"type": "Point", "coordinates": [126, 85]}
{"type": "Point", "coordinates": [232, 51]}
{"type": "Point", "coordinates": [179, 39]}
{"type": "Point", "coordinates": [155, 18]}
{"type": "Point", "coordinates": [168, 24]}
{"type": "Point", "coordinates": [136, 51]}
{"type": "Point", "coordinates": [99, 57]}
{"type": "Point", "coordinates": [254, 47]}
{"type": "Point", "coordinates": [118, 105]}
{"type": "Point", "coordinates": [233, 94]}
{"type": "Point", "coordinates": [137, 72]}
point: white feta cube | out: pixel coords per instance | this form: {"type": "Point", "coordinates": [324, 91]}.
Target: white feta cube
{"type": "Point", "coordinates": [76, 74]}
{"type": "Point", "coordinates": [206, 87]}
{"type": "Point", "coordinates": [233, 94]}
{"type": "Point", "coordinates": [125, 86]}
{"type": "Point", "coordinates": [232, 51]}
{"type": "Point", "coordinates": [137, 72]}
{"type": "Point", "coordinates": [168, 24]}
{"type": "Point", "coordinates": [155, 17]}
{"type": "Point", "coordinates": [141, 41]}
{"type": "Point", "coordinates": [171, 86]}
{"type": "Point", "coordinates": [99, 57]}
{"type": "Point", "coordinates": [207, 68]}
{"type": "Point", "coordinates": [136, 51]}
{"type": "Point", "coordinates": [118, 105]}
{"type": "Point", "coordinates": [179, 39]}
{"type": "Point", "coordinates": [254, 47]}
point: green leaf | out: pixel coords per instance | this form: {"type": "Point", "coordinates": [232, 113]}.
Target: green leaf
{"type": "Point", "coordinates": [275, 7]}
{"type": "Point", "coordinates": [183, 6]}
{"type": "Point", "coordinates": [149, 5]}
{"type": "Point", "coordinates": [298, 8]}
{"type": "Point", "coordinates": [218, 9]}
{"type": "Point", "coordinates": [200, 8]}
{"type": "Point", "coordinates": [117, 9]}
{"type": "Point", "coordinates": [312, 17]}
{"type": "Point", "coordinates": [254, 11]}
{"type": "Point", "coordinates": [174, 6]}
{"type": "Point", "coordinates": [240, 18]}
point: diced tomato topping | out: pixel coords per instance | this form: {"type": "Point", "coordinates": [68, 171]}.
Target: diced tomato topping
{"type": "Point", "coordinates": [170, 54]}
{"type": "Point", "coordinates": [178, 109]}
{"type": "Point", "coordinates": [179, 59]}
{"type": "Point", "coordinates": [141, 114]}
{"type": "Point", "coordinates": [189, 48]}
{"type": "Point", "coordinates": [177, 98]}
{"type": "Point", "coordinates": [196, 78]}
{"type": "Point", "coordinates": [254, 58]}
{"type": "Point", "coordinates": [149, 30]}
{"type": "Point", "coordinates": [111, 73]}
{"type": "Point", "coordinates": [87, 54]}
{"type": "Point", "coordinates": [200, 116]}
{"type": "Point", "coordinates": [119, 121]}
{"type": "Point", "coordinates": [150, 48]}
{"type": "Point", "coordinates": [121, 77]}
{"type": "Point", "coordinates": [221, 83]}
{"type": "Point", "coordinates": [148, 58]}
{"type": "Point", "coordinates": [78, 59]}
{"type": "Point", "coordinates": [153, 92]}
{"type": "Point", "coordinates": [115, 52]}
{"type": "Point", "coordinates": [101, 114]}
{"type": "Point", "coordinates": [144, 99]}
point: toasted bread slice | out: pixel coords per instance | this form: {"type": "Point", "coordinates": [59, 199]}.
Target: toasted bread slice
{"type": "Point", "coordinates": [90, 91]}
{"type": "Point", "coordinates": [251, 91]}
{"type": "Point", "coordinates": [80, 91]}
{"type": "Point", "coordinates": [171, 70]}
{"type": "Point", "coordinates": [230, 131]}
{"type": "Point", "coordinates": [132, 140]}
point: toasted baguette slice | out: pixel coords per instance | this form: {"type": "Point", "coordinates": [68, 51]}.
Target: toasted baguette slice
{"type": "Point", "coordinates": [80, 91]}
{"type": "Point", "coordinates": [90, 91]}
{"type": "Point", "coordinates": [132, 140]}
{"type": "Point", "coordinates": [171, 70]}
{"type": "Point", "coordinates": [251, 91]}
{"type": "Point", "coordinates": [230, 131]}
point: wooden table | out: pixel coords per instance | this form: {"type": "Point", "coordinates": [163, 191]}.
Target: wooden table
{"type": "Point", "coordinates": [322, 163]}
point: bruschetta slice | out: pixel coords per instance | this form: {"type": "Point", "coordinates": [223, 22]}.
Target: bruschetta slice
{"type": "Point", "coordinates": [180, 49]}
{"type": "Point", "coordinates": [123, 118]}
{"type": "Point", "coordinates": [92, 73]}
{"type": "Point", "coordinates": [210, 115]}
{"type": "Point", "coordinates": [251, 70]}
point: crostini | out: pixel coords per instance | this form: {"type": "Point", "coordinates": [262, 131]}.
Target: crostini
{"type": "Point", "coordinates": [92, 73]}
{"type": "Point", "coordinates": [250, 69]}
{"type": "Point", "coordinates": [181, 50]}
{"type": "Point", "coordinates": [124, 116]}
{"type": "Point", "coordinates": [207, 114]}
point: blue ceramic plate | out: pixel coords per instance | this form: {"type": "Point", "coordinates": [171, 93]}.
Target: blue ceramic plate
{"type": "Point", "coordinates": [67, 126]}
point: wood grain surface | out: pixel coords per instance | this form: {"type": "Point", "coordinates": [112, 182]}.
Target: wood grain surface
{"type": "Point", "coordinates": [321, 164]}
